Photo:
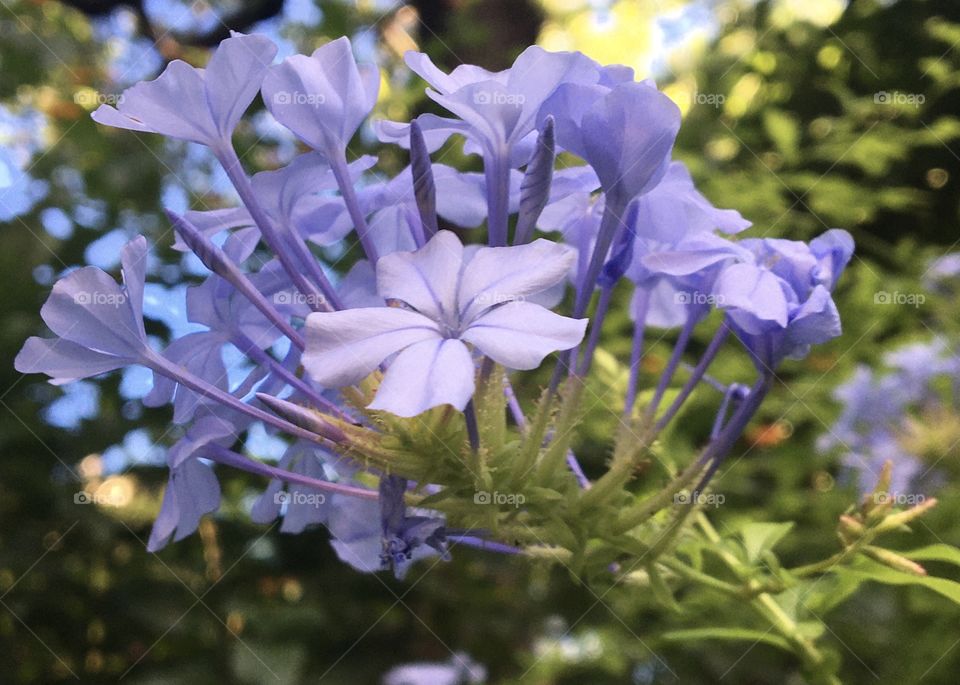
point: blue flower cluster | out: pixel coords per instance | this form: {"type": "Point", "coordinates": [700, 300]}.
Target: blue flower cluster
{"type": "Point", "coordinates": [887, 415]}
{"type": "Point", "coordinates": [422, 320]}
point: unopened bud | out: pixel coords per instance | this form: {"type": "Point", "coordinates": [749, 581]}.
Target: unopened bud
{"type": "Point", "coordinates": [902, 518]}
{"type": "Point", "coordinates": [895, 561]}
{"type": "Point", "coordinates": [851, 528]}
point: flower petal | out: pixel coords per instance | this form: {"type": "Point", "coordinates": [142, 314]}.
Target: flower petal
{"type": "Point", "coordinates": [501, 274]}
{"type": "Point", "coordinates": [520, 334]}
{"type": "Point", "coordinates": [174, 104]}
{"type": "Point", "coordinates": [425, 279]}
{"type": "Point", "coordinates": [344, 347]}
{"type": "Point", "coordinates": [89, 308]}
{"type": "Point", "coordinates": [426, 375]}
{"type": "Point", "coordinates": [323, 98]}
{"type": "Point", "coordinates": [63, 360]}
{"type": "Point", "coordinates": [233, 77]}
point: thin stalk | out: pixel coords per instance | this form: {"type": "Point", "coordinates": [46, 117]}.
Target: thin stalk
{"type": "Point", "coordinates": [708, 356]}
{"type": "Point", "coordinates": [218, 262]}
{"type": "Point", "coordinates": [596, 325]}
{"type": "Point", "coordinates": [227, 457]}
{"type": "Point", "coordinates": [342, 173]}
{"type": "Point", "coordinates": [675, 358]}
{"type": "Point", "coordinates": [330, 438]}
{"type": "Point", "coordinates": [636, 353]}
{"type": "Point", "coordinates": [253, 351]}
{"type": "Point", "coordinates": [238, 177]}
{"type": "Point", "coordinates": [497, 175]}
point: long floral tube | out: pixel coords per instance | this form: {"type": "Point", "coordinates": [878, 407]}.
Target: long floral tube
{"type": "Point", "coordinates": [219, 263]}
{"type": "Point", "coordinates": [720, 446]}
{"type": "Point", "coordinates": [230, 458]}
{"type": "Point", "coordinates": [340, 171]}
{"type": "Point", "coordinates": [696, 375]}
{"type": "Point", "coordinates": [636, 352]}
{"type": "Point", "coordinates": [234, 168]}
{"type": "Point", "coordinates": [672, 364]}
{"type": "Point", "coordinates": [253, 351]}
{"type": "Point", "coordinates": [328, 436]}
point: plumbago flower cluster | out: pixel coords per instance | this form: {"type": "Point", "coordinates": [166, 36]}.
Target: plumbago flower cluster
{"type": "Point", "coordinates": [393, 384]}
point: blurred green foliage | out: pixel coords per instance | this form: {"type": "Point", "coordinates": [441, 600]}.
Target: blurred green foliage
{"type": "Point", "coordinates": [785, 119]}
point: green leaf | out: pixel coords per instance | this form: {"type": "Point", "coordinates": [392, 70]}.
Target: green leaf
{"type": "Point", "coordinates": [784, 131]}
{"type": "Point", "coordinates": [870, 570]}
{"type": "Point", "coordinates": [939, 552]}
{"type": "Point", "coordinates": [735, 634]}
{"type": "Point", "coordinates": [761, 537]}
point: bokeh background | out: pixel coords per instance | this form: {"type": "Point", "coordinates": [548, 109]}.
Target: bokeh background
{"type": "Point", "coordinates": [802, 114]}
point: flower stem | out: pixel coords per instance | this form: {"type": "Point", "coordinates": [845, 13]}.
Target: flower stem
{"type": "Point", "coordinates": [231, 164]}
{"type": "Point", "coordinates": [342, 173]}
{"type": "Point", "coordinates": [222, 455]}
{"type": "Point", "coordinates": [708, 356]}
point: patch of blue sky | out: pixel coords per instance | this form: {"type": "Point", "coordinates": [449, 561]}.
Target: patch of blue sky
{"type": "Point", "coordinates": [104, 252]}
{"type": "Point", "coordinates": [80, 401]}
{"type": "Point", "coordinates": [137, 449]}
{"type": "Point", "coordinates": [262, 445]}
{"type": "Point", "coordinates": [56, 222]}
{"type": "Point", "coordinates": [169, 306]}
{"type": "Point", "coordinates": [676, 29]}
{"type": "Point", "coordinates": [136, 382]}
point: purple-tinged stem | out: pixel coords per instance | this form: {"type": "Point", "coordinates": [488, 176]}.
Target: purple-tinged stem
{"type": "Point", "coordinates": [682, 340]}
{"type": "Point", "coordinates": [636, 352]}
{"type": "Point", "coordinates": [574, 465]}
{"type": "Point", "coordinates": [231, 164]}
{"type": "Point", "coordinates": [701, 368]}
{"type": "Point", "coordinates": [473, 431]}
{"type": "Point", "coordinates": [521, 422]}
{"type": "Point", "coordinates": [735, 392]}
{"type": "Point", "coordinates": [609, 225]}
{"type": "Point", "coordinates": [718, 450]}
{"type": "Point", "coordinates": [222, 455]}
{"type": "Point", "coordinates": [217, 261]}
{"type": "Point", "coordinates": [342, 173]}
{"type": "Point", "coordinates": [254, 352]}
{"type": "Point", "coordinates": [596, 325]}
{"type": "Point", "coordinates": [497, 174]}
{"type": "Point", "coordinates": [514, 405]}
{"type": "Point", "coordinates": [312, 265]}
{"type": "Point", "coordinates": [329, 436]}
{"type": "Point", "coordinates": [488, 545]}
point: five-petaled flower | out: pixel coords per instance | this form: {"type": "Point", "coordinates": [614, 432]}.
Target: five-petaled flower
{"type": "Point", "coordinates": [445, 299]}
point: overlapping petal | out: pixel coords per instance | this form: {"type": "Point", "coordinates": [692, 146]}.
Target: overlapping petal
{"type": "Point", "coordinates": [520, 334]}
{"type": "Point", "coordinates": [344, 347]}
